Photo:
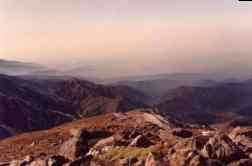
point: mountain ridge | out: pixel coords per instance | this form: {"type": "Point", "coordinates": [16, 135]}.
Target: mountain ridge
{"type": "Point", "coordinates": [30, 105]}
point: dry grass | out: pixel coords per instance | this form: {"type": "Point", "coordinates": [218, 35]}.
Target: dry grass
{"type": "Point", "coordinates": [48, 141]}
{"type": "Point", "coordinates": [124, 153]}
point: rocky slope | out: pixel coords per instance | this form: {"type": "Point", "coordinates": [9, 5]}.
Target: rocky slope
{"type": "Point", "coordinates": [27, 105]}
{"type": "Point", "coordinates": [138, 138]}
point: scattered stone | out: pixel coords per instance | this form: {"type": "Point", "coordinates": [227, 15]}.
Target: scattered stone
{"type": "Point", "coordinates": [182, 133]}
{"type": "Point", "coordinates": [126, 162]}
{"type": "Point", "coordinates": [18, 163]}
{"type": "Point", "coordinates": [250, 155]}
{"type": "Point", "coordinates": [28, 158]}
{"type": "Point", "coordinates": [222, 148]}
{"type": "Point", "coordinates": [141, 141]}
{"type": "Point", "coordinates": [150, 146]}
{"type": "Point", "coordinates": [140, 163]}
{"type": "Point", "coordinates": [93, 152]}
{"type": "Point", "coordinates": [242, 162]}
{"type": "Point", "coordinates": [186, 157]}
{"type": "Point", "coordinates": [208, 133]}
{"type": "Point", "coordinates": [57, 161]}
{"type": "Point", "coordinates": [4, 163]}
{"type": "Point", "coordinates": [76, 146]}
{"type": "Point", "coordinates": [82, 161]}
{"type": "Point", "coordinates": [39, 162]}
{"type": "Point", "coordinates": [123, 162]}
{"type": "Point", "coordinates": [105, 142]}
{"type": "Point", "coordinates": [152, 161]}
{"type": "Point", "coordinates": [243, 137]}
{"type": "Point", "coordinates": [32, 144]}
{"type": "Point", "coordinates": [212, 162]}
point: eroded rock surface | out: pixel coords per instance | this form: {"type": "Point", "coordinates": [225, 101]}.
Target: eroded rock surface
{"type": "Point", "coordinates": [122, 139]}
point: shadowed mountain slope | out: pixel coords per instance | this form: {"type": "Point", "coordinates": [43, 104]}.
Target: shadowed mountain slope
{"type": "Point", "coordinates": [38, 104]}
{"type": "Point", "coordinates": [206, 104]}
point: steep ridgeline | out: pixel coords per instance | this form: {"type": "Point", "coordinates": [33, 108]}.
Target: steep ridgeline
{"type": "Point", "coordinates": [209, 104]}
{"type": "Point", "coordinates": [27, 105]}
{"type": "Point", "coordinates": [90, 99]}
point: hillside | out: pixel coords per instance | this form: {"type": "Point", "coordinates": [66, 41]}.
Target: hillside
{"type": "Point", "coordinates": [27, 105]}
{"type": "Point", "coordinates": [155, 87]}
{"type": "Point", "coordinates": [144, 138]}
{"type": "Point", "coordinates": [206, 104]}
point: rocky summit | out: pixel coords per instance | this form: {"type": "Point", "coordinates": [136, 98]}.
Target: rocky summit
{"type": "Point", "coordinates": [138, 138]}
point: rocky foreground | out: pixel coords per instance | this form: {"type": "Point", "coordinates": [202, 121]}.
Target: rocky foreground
{"type": "Point", "coordinates": [136, 138]}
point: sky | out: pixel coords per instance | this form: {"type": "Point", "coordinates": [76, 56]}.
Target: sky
{"type": "Point", "coordinates": [128, 37]}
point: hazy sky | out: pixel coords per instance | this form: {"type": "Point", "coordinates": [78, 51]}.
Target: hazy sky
{"type": "Point", "coordinates": [121, 37]}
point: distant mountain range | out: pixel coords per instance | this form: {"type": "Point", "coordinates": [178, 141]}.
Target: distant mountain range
{"type": "Point", "coordinates": [187, 95]}
{"type": "Point", "coordinates": [216, 104]}
{"type": "Point", "coordinates": [32, 104]}
{"type": "Point", "coordinates": [21, 68]}
{"type": "Point", "coordinates": [156, 88]}
{"type": "Point", "coordinates": [89, 72]}
{"type": "Point", "coordinates": [36, 71]}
